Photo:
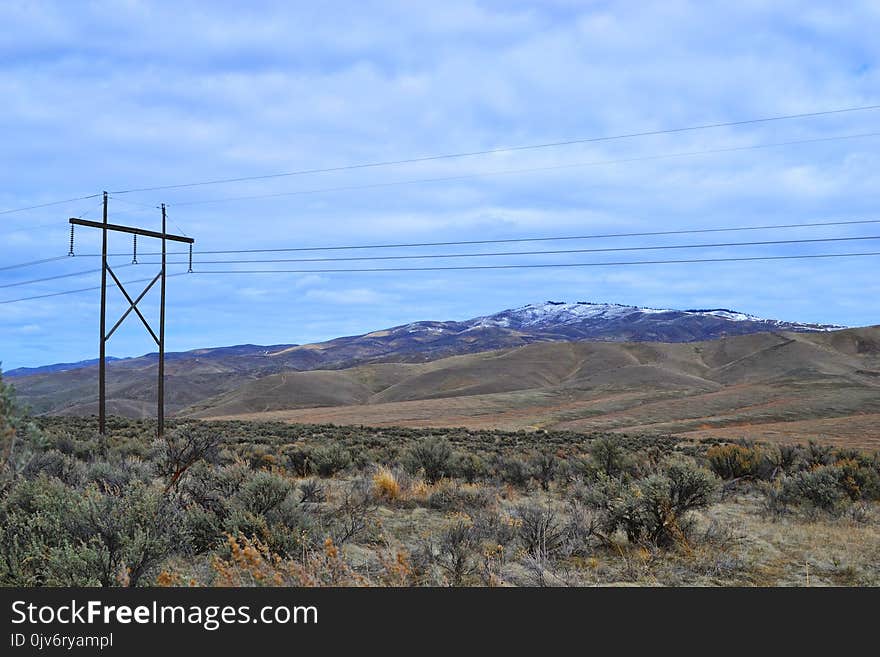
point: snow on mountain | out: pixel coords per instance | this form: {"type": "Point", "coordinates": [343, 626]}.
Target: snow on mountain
{"type": "Point", "coordinates": [542, 322]}
{"type": "Point", "coordinates": [560, 314]}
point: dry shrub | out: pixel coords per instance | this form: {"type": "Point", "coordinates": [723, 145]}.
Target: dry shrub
{"type": "Point", "coordinates": [385, 485]}
{"type": "Point", "coordinates": [735, 461]}
{"type": "Point", "coordinates": [252, 563]}
{"type": "Point", "coordinates": [327, 460]}
{"type": "Point", "coordinates": [418, 491]}
{"type": "Point", "coordinates": [431, 456]}
{"type": "Point", "coordinates": [609, 456]}
{"type": "Point", "coordinates": [541, 532]}
{"type": "Point", "coordinates": [858, 478]}
{"type": "Point", "coordinates": [397, 569]}
{"type": "Point", "coordinates": [454, 553]}
{"type": "Point", "coordinates": [181, 449]}
{"type": "Point", "coordinates": [656, 509]}
{"type": "Point", "coordinates": [167, 579]}
{"type": "Point", "coordinates": [449, 495]}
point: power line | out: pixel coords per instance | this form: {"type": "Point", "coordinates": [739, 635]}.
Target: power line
{"type": "Point", "coordinates": [517, 240]}
{"type": "Point", "coordinates": [151, 206]}
{"type": "Point", "coordinates": [429, 158]}
{"type": "Point", "coordinates": [49, 204]}
{"type": "Point", "coordinates": [530, 253]}
{"type": "Point", "coordinates": [44, 260]}
{"type": "Point", "coordinates": [471, 267]}
{"type": "Point", "coordinates": [54, 224]}
{"type": "Point", "coordinates": [535, 266]}
{"type": "Point", "coordinates": [84, 289]}
{"type": "Point", "coordinates": [527, 170]}
{"type": "Point", "coordinates": [31, 229]}
{"type": "Point", "coordinates": [52, 278]}
{"type": "Point", "coordinates": [32, 263]}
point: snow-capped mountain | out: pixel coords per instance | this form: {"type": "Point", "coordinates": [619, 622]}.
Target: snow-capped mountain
{"type": "Point", "coordinates": [554, 321]}
{"type": "Point", "coordinates": [202, 373]}
{"type": "Point", "coordinates": [612, 321]}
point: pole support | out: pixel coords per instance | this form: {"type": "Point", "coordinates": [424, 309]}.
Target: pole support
{"type": "Point", "coordinates": [106, 228]}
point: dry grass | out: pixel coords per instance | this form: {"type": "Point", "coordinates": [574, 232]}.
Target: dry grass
{"type": "Point", "coordinates": [803, 551]}
{"type": "Point", "coordinates": [740, 411]}
{"type": "Point", "coordinates": [385, 485]}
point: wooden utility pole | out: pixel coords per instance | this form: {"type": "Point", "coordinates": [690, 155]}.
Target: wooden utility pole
{"type": "Point", "coordinates": [102, 359]}
{"type": "Point", "coordinates": [160, 412]}
{"type": "Point", "coordinates": [105, 227]}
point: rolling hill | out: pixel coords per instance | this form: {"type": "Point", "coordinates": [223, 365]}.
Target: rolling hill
{"type": "Point", "coordinates": [574, 366]}
{"type": "Point", "coordinates": [779, 385]}
{"type": "Point", "coordinates": [201, 374]}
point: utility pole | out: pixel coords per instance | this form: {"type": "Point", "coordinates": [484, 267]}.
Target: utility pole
{"type": "Point", "coordinates": [105, 227]}
{"type": "Point", "coordinates": [160, 411]}
{"type": "Point", "coordinates": [102, 359]}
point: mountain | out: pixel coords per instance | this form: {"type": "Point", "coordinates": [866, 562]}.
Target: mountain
{"type": "Point", "coordinates": [585, 320]}
{"type": "Point", "coordinates": [57, 367]}
{"type": "Point", "coordinates": [770, 386]}
{"type": "Point", "coordinates": [551, 321]}
{"type": "Point", "coordinates": [195, 376]}
{"type": "Point", "coordinates": [245, 355]}
{"type": "Point", "coordinates": [190, 377]}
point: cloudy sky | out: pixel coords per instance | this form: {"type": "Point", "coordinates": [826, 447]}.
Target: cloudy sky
{"type": "Point", "coordinates": [125, 95]}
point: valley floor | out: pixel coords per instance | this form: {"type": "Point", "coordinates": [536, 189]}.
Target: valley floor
{"type": "Point", "coordinates": [754, 413]}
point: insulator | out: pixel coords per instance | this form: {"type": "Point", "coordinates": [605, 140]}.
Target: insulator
{"type": "Point", "coordinates": [190, 258]}
{"type": "Point", "coordinates": [134, 256]}
{"type": "Point", "coordinates": [70, 253]}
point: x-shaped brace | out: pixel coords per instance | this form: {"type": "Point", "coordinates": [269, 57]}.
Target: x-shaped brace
{"type": "Point", "coordinates": [133, 305]}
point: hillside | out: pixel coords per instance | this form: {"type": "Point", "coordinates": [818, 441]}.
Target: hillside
{"type": "Point", "coordinates": [772, 386]}
{"type": "Point", "coordinates": [202, 374]}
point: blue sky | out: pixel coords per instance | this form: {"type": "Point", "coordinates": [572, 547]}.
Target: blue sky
{"type": "Point", "coordinates": [135, 94]}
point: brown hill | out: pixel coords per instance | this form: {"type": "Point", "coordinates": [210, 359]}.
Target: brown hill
{"type": "Point", "coordinates": [200, 374]}
{"type": "Point", "coordinates": [771, 385]}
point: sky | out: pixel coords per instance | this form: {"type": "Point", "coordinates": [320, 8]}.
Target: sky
{"type": "Point", "coordinates": [128, 95]}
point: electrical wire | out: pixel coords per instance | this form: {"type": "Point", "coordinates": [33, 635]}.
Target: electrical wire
{"type": "Point", "coordinates": [531, 253]}
{"type": "Point", "coordinates": [516, 240]}
{"type": "Point", "coordinates": [534, 266]}
{"type": "Point", "coordinates": [472, 267]}
{"type": "Point", "coordinates": [31, 229]}
{"type": "Point", "coordinates": [82, 214]}
{"type": "Point", "coordinates": [54, 224]}
{"type": "Point", "coordinates": [33, 262]}
{"type": "Point", "coordinates": [84, 289]}
{"type": "Point", "coordinates": [49, 204]}
{"type": "Point", "coordinates": [53, 278]}
{"type": "Point", "coordinates": [151, 206]}
{"type": "Point", "coordinates": [567, 142]}
{"type": "Point", "coordinates": [428, 158]}
{"type": "Point", "coordinates": [556, 167]}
